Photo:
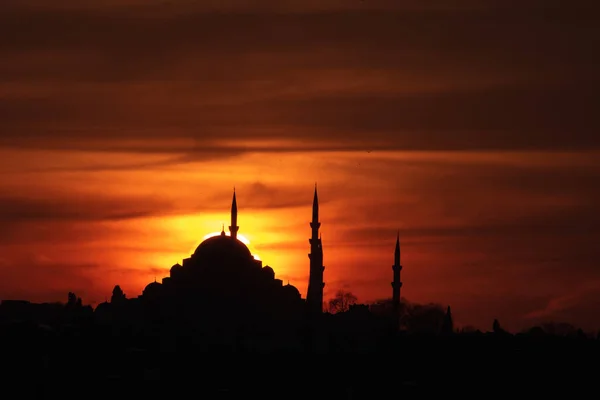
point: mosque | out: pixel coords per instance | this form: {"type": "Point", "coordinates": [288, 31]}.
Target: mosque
{"type": "Point", "coordinates": [223, 278]}
{"type": "Point", "coordinates": [222, 269]}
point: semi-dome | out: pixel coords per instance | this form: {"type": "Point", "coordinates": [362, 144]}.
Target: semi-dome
{"type": "Point", "coordinates": [222, 246]}
{"type": "Point", "coordinates": [176, 267]}
{"type": "Point", "coordinates": [152, 288]}
{"type": "Point", "coordinates": [268, 271]}
{"type": "Point", "coordinates": [291, 291]}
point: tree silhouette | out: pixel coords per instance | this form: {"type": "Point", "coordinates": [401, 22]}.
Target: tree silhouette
{"type": "Point", "coordinates": [559, 329]}
{"type": "Point", "coordinates": [497, 328]}
{"type": "Point", "coordinates": [117, 295]}
{"type": "Point", "coordinates": [468, 329]}
{"type": "Point", "coordinates": [448, 323]}
{"type": "Point", "coordinates": [71, 300]}
{"type": "Point", "coordinates": [341, 302]}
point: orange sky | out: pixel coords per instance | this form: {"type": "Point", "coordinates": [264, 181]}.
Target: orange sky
{"type": "Point", "coordinates": [472, 129]}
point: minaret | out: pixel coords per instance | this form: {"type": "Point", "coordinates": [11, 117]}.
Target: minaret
{"type": "Point", "coordinates": [396, 284]}
{"type": "Point", "coordinates": [233, 229]}
{"type": "Point", "coordinates": [314, 297]}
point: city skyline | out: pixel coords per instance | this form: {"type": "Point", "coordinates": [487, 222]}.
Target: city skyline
{"type": "Point", "coordinates": [119, 151]}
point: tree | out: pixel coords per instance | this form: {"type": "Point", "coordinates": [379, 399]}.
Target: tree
{"type": "Point", "coordinates": [341, 302]}
{"type": "Point", "coordinates": [382, 307]}
{"type": "Point", "coordinates": [497, 328]}
{"type": "Point", "coordinates": [117, 295]}
{"type": "Point", "coordinates": [421, 318]}
{"type": "Point", "coordinates": [71, 300]}
{"type": "Point", "coordinates": [448, 323]}
{"type": "Point", "coordinates": [469, 329]}
{"type": "Point", "coordinates": [559, 329]}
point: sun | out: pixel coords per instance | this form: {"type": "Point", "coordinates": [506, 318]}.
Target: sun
{"type": "Point", "coordinates": [241, 238]}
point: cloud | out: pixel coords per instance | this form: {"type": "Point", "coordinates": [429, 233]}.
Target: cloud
{"type": "Point", "coordinates": [79, 208]}
{"type": "Point", "coordinates": [259, 195]}
{"type": "Point", "coordinates": [39, 279]}
{"type": "Point", "coordinates": [107, 166]}
{"type": "Point", "coordinates": [575, 306]}
{"type": "Point", "coordinates": [59, 218]}
{"type": "Point", "coordinates": [288, 6]}
{"type": "Point", "coordinates": [472, 199]}
{"type": "Point", "coordinates": [474, 79]}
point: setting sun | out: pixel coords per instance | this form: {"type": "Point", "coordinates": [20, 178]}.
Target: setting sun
{"type": "Point", "coordinates": [241, 238]}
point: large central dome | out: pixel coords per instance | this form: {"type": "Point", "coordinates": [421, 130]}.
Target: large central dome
{"type": "Point", "coordinates": [222, 247]}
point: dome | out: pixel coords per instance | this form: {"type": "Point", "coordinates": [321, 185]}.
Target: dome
{"type": "Point", "coordinates": [291, 291]}
{"type": "Point", "coordinates": [268, 271]}
{"type": "Point", "coordinates": [221, 247]}
{"type": "Point", "coordinates": [176, 267]}
{"type": "Point", "coordinates": [152, 288]}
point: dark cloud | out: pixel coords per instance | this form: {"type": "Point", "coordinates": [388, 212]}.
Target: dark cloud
{"type": "Point", "coordinates": [81, 236]}
{"type": "Point", "coordinates": [505, 197]}
{"type": "Point", "coordinates": [37, 279]}
{"type": "Point", "coordinates": [572, 306]}
{"type": "Point", "coordinates": [248, 75]}
{"type": "Point", "coordinates": [132, 166]}
{"type": "Point", "coordinates": [259, 196]}
{"type": "Point", "coordinates": [481, 310]}
{"type": "Point", "coordinates": [30, 217]}
{"type": "Point", "coordinates": [79, 208]}
{"type": "Point", "coordinates": [147, 271]}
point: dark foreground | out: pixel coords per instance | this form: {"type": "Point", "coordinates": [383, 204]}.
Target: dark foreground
{"type": "Point", "coordinates": [464, 366]}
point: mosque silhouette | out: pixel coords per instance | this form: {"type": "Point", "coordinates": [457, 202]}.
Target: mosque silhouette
{"type": "Point", "coordinates": [223, 268]}
{"type": "Point", "coordinates": [190, 332]}
{"type": "Point", "coordinates": [223, 290]}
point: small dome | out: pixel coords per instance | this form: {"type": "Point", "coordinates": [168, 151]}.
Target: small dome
{"type": "Point", "coordinates": [102, 307]}
{"type": "Point", "coordinates": [268, 271]}
{"type": "Point", "coordinates": [291, 291]}
{"type": "Point", "coordinates": [175, 271]}
{"type": "Point", "coordinates": [222, 247]}
{"type": "Point", "coordinates": [175, 268]}
{"type": "Point", "coordinates": [151, 288]}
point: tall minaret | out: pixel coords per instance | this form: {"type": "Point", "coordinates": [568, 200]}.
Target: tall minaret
{"type": "Point", "coordinates": [396, 284]}
{"type": "Point", "coordinates": [314, 297]}
{"type": "Point", "coordinates": [233, 229]}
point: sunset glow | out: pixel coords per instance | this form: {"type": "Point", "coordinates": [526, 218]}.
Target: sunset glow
{"type": "Point", "coordinates": [241, 238]}
{"type": "Point", "coordinates": [124, 131]}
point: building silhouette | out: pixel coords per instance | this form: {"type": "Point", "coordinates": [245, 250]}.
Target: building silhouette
{"type": "Point", "coordinates": [223, 285]}
{"type": "Point", "coordinates": [221, 300]}
{"type": "Point", "coordinates": [314, 296]}
{"type": "Point", "coordinates": [396, 284]}
{"type": "Point", "coordinates": [222, 278]}
{"type": "Point", "coordinates": [221, 295]}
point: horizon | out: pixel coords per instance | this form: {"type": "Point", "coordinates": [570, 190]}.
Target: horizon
{"type": "Point", "coordinates": [471, 128]}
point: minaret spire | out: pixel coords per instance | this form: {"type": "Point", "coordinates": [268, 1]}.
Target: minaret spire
{"type": "Point", "coordinates": [233, 228]}
{"type": "Point", "coordinates": [396, 284]}
{"type": "Point", "coordinates": [314, 297]}
{"type": "Point", "coordinates": [397, 251]}
{"type": "Point", "coordinates": [315, 211]}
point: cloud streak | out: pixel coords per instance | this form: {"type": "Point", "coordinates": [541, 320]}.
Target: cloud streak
{"type": "Point", "coordinates": [461, 84]}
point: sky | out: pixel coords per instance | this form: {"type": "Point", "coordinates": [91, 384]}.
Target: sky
{"type": "Point", "coordinates": [469, 126]}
